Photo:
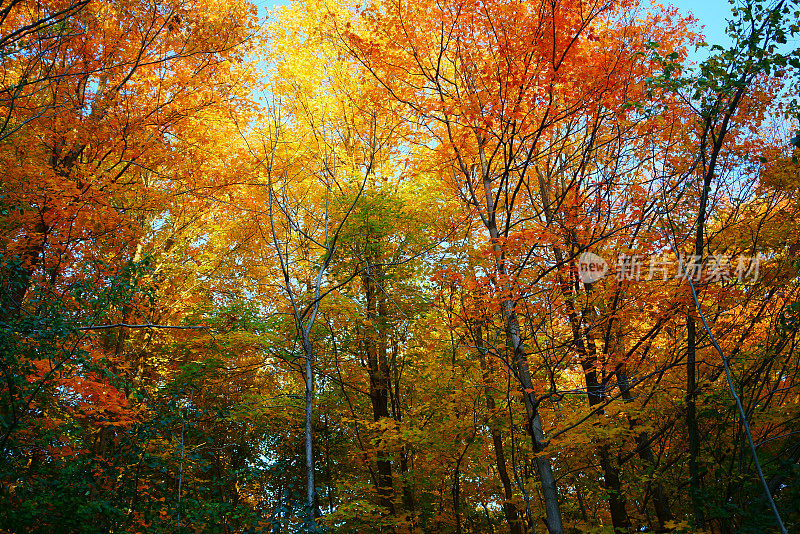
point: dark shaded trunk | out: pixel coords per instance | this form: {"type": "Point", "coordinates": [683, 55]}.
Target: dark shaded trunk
{"type": "Point", "coordinates": [581, 504]}
{"type": "Point", "coordinates": [378, 369]}
{"type": "Point", "coordinates": [708, 158]}
{"type": "Point", "coordinates": [691, 423]}
{"type": "Point", "coordinates": [457, 496]}
{"type": "Point", "coordinates": [693, 432]}
{"type": "Point", "coordinates": [15, 280]}
{"type": "Point", "coordinates": [613, 485]}
{"type": "Point", "coordinates": [408, 493]}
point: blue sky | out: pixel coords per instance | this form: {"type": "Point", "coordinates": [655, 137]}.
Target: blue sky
{"type": "Point", "coordinates": [711, 14]}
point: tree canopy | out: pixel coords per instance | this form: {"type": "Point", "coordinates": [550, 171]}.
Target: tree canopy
{"type": "Point", "coordinates": [398, 267]}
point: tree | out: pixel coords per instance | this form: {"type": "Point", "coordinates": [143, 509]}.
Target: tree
{"type": "Point", "coordinates": [104, 105]}
{"type": "Point", "coordinates": [504, 89]}
{"type": "Point", "coordinates": [431, 267]}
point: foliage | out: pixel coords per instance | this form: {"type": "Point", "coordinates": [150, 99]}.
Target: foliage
{"type": "Point", "coordinates": [328, 273]}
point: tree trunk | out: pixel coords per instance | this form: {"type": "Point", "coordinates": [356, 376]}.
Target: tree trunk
{"type": "Point", "coordinates": [457, 496]}
{"type": "Point", "coordinates": [691, 422]}
{"type": "Point", "coordinates": [588, 357]}
{"type": "Point", "coordinates": [309, 412]}
{"type": "Point", "coordinates": [397, 415]}
{"type": "Point", "coordinates": [378, 368]}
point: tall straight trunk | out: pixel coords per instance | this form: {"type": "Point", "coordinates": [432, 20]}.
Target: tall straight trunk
{"type": "Point", "coordinates": [378, 369]}
{"type": "Point", "coordinates": [309, 413]}
{"type": "Point", "coordinates": [708, 155]}
{"type": "Point", "coordinates": [692, 430]}
{"type": "Point", "coordinates": [613, 484]}
{"type": "Point", "coordinates": [457, 496]}
{"type": "Point", "coordinates": [691, 421]}
{"type": "Point", "coordinates": [408, 494]}
{"type": "Point", "coordinates": [594, 391]}
{"type": "Point", "coordinates": [513, 517]}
